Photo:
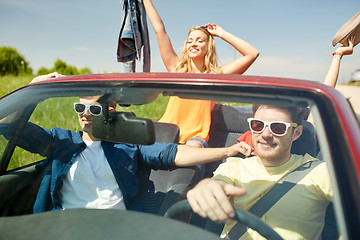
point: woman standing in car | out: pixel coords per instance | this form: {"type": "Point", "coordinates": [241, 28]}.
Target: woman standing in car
{"type": "Point", "coordinates": [198, 56]}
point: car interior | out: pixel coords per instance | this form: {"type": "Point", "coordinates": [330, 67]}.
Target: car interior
{"type": "Point", "coordinates": [161, 188]}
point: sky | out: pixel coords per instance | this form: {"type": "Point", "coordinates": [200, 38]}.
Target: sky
{"type": "Point", "coordinates": [293, 36]}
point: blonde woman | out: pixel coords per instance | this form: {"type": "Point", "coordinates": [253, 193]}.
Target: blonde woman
{"type": "Point", "coordinates": [198, 56]}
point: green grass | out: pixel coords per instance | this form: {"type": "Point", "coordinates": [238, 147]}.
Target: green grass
{"type": "Point", "coordinates": [9, 83]}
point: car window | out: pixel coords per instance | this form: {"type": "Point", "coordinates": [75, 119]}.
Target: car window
{"type": "Point", "coordinates": [54, 112]}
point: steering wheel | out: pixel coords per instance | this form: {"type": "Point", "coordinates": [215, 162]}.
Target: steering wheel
{"type": "Point", "coordinates": [243, 217]}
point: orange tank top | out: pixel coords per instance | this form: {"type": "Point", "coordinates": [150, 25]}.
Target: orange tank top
{"type": "Point", "coordinates": [192, 116]}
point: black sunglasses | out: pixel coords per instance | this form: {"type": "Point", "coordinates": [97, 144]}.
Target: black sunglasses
{"type": "Point", "coordinates": [93, 109]}
{"type": "Point", "coordinates": [277, 128]}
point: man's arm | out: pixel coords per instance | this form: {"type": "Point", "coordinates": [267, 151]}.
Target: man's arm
{"type": "Point", "coordinates": [32, 138]}
{"type": "Point", "coordinates": [209, 198]}
{"type": "Point", "coordinates": [191, 156]}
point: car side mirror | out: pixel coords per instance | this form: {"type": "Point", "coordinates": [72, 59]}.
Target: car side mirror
{"type": "Point", "coordinates": [123, 127]}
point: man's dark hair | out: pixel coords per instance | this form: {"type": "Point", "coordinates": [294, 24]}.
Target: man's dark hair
{"type": "Point", "coordinates": [296, 113]}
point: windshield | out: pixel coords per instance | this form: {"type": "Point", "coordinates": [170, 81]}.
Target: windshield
{"type": "Point", "coordinates": [36, 132]}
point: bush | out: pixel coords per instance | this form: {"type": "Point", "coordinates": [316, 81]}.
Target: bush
{"type": "Point", "coordinates": [85, 71]}
{"type": "Point", "coordinates": [13, 63]}
{"type": "Point", "coordinates": [42, 71]}
{"type": "Point", "coordinates": [62, 68]}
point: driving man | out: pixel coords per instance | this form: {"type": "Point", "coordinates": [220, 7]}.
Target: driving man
{"type": "Point", "coordinates": [299, 214]}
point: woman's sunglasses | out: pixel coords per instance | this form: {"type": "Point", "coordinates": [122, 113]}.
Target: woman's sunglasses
{"type": "Point", "coordinates": [277, 128]}
{"type": "Point", "coordinates": [93, 109]}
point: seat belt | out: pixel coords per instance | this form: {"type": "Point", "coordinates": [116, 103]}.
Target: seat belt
{"type": "Point", "coordinates": [274, 195]}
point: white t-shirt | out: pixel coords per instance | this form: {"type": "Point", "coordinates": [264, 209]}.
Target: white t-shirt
{"type": "Point", "coordinates": [90, 182]}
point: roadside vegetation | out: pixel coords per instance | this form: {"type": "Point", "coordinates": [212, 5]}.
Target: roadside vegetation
{"type": "Point", "coordinates": [357, 83]}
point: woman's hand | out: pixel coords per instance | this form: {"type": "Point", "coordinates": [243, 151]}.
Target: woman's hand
{"type": "Point", "coordinates": [347, 47]}
{"type": "Point", "coordinates": [214, 29]}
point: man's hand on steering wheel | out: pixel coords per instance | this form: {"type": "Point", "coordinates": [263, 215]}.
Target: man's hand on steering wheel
{"type": "Point", "coordinates": [210, 198]}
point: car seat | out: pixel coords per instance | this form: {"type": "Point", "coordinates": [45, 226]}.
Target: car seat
{"type": "Point", "coordinates": [161, 188]}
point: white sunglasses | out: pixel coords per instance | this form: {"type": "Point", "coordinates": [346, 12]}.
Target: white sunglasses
{"type": "Point", "coordinates": [277, 128]}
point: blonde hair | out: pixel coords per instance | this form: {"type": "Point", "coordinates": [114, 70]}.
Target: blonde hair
{"type": "Point", "coordinates": [210, 66]}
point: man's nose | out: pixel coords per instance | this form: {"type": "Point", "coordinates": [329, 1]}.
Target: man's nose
{"type": "Point", "coordinates": [266, 133]}
{"type": "Point", "coordinates": [87, 112]}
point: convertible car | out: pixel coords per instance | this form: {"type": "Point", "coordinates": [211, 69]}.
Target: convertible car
{"type": "Point", "coordinates": [331, 133]}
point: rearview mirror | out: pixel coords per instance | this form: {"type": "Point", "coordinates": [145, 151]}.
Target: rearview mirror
{"type": "Point", "coordinates": [123, 127]}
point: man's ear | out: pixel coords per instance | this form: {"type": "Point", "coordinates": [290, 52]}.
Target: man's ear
{"type": "Point", "coordinates": [297, 132]}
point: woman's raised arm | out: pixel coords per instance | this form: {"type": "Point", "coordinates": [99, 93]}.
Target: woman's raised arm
{"type": "Point", "coordinates": [249, 52]}
{"type": "Point", "coordinates": [167, 52]}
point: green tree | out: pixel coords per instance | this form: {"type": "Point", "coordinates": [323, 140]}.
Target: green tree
{"type": "Point", "coordinates": [42, 71]}
{"type": "Point", "coordinates": [62, 68]}
{"type": "Point", "coordinates": [13, 63]}
{"type": "Point", "coordinates": [85, 71]}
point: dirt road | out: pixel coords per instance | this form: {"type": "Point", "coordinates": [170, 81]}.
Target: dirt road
{"type": "Point", "coordinates": [352, 92]}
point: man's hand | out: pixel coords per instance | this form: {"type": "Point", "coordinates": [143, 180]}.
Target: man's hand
{"type": "Point", "coordinates": [209, 198]}
{"type": "Point", "coordinates": [241, 147]}
{"type": "Point", "coordinates": [46, 77]}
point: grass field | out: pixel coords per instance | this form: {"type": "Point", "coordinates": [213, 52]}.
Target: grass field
{"type": "Point", "coordinates": [9, 83]}
{"type": "Point", "coordinates": [59, 113]}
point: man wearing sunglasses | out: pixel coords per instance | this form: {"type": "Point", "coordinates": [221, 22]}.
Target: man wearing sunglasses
{"type": "Point", "coordinates": [299, 214]}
